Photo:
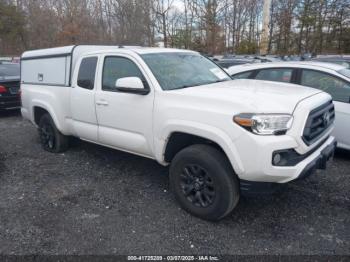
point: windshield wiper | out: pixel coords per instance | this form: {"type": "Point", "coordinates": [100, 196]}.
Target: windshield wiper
{"type": "Point", "coordinates": [221, 80]}
{"type": "Point", "coordinates": [201, 84]}
{"type": "Point", "coordinates": [188, 86]}
{"type": "Point", "coordinates": [217, 81]}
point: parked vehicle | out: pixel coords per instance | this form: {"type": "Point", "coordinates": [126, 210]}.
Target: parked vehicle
{"type": "Point", "coordinates": [292, 58]}
{"type": "Point", "coordinates": [9, 86]}
{"type": "Point", "coordinates": [227, 63]}
{"type": "Point", "coordinates": [340, 60]}
{"type": "Point", "coordinates": [267, 59]}
{"type": "Point", "coordinates": [331, 78]}
{"type": "Point", "coordinates": [222, 138]}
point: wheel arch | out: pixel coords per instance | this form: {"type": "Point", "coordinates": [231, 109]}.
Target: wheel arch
{"type": "Point", "coordinates": [41, 108]}
{"type": "Point", "coordinates": [175, 139]}
{"type": "Point", "coordinates": [180, 140]}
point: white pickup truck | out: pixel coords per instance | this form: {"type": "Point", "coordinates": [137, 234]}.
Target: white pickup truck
{"type": "Point", "coordinates": [222, 138]}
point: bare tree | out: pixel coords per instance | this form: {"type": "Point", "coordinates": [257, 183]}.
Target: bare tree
{"type": "Point", "coordinates": [212, 26]}
{"type": "Point", "coordinates": [162, 8]}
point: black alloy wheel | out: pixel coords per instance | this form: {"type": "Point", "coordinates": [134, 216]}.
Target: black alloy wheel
{"type": "Point", "coordinates": [204, 182]}
{"type": "Point", "coordinates": [51, 139]}
{"type": "Point", "coordinates": [197, 185]}
{"type": "Point", "coordinates": [47, 136]}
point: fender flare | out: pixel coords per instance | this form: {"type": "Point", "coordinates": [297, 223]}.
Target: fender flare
{"type": "Point", "coordinates": [211, 133]}
{"type": "Point", "coordinates": [49, 109]}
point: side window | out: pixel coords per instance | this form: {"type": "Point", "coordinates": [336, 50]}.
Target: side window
{"type": "Point", "coordinates": [118, 67]}
{"type": "Point", "coordinates": [87, 71]}
{"type": "Point", "coordinates": [275, 74]}
{"type": "Point", "coordinates": [244, 75]}
{"type": "Point", "coordinates": [337, 88]}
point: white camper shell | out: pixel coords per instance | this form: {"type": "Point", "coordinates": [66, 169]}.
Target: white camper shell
{"type": "Point", "coordinates": [53, 66]}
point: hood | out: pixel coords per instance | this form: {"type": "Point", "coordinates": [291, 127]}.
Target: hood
{"type": "Point", "coordinates": [254, 95]}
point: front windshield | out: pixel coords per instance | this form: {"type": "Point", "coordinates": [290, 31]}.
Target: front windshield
{"type": "Point", "coordinates": [180, 70]}
{"type": "Point", "coordinates": [345, 72]}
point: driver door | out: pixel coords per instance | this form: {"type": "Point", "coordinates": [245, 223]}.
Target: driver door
{"type": "Point", "coordinates": [125, 119]}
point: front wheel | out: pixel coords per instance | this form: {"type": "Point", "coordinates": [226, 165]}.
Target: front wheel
{"type": "Point", "coordinates": [204, 182]}
{"type": "Point", "coordinates": [52, 140]}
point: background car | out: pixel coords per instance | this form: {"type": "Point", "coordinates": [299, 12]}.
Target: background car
{"type": "Point", "coordinates": [292, 58]}
{"type": "Point", "coordinates": [331, 78]}
{"type": "Point", "coordinates": [335, 59]}
{"type": "Point", "coordinates": [228, 62]}
{"type": "Point", "coordinates": [267, 58]}
{"type": "Point", "coordinates": [9, 86]}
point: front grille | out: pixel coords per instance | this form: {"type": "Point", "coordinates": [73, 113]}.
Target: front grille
{"type": "Point", "coordinates": [318, 122]}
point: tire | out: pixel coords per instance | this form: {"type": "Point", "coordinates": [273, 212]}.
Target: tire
{"type": "Point", "coordinates": [204, 169]}
{"type": "Point", "coordinates": [51, 138]}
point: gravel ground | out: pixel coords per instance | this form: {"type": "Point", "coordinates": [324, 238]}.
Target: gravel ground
{"type": "Point", "coordinates": [94, 200]}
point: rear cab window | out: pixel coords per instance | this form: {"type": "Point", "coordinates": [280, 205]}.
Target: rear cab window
{"type": "Point", "coordinates": [87, 72]}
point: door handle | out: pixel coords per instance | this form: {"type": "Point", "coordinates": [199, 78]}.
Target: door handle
{"type": "Point", "coordinates": [102, 103]}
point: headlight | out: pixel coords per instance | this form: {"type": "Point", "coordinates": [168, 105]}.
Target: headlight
{"type": "Point", "coordinates": [265, 124]}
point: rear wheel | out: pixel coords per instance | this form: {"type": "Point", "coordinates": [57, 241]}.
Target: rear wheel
{"type": "Point", "coordinates": [52, 140]}
{"type": "Point", "coordinates": [203, 182]}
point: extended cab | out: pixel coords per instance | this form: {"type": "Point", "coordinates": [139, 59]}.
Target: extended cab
{"type": "Point", "coordinates": [222, 138]}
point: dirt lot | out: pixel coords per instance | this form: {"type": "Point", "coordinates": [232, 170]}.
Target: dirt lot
{"type": "Point", "coordinates": [93, 200]}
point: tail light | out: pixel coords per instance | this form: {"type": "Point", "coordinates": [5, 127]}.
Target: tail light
{"type": "Point", "coordinates": [3, 89]}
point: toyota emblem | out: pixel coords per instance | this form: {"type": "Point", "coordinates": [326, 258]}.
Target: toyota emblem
{"type": "Point", "coordinates": [326, 118]}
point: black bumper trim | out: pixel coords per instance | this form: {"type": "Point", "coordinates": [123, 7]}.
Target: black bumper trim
{"type": "Point", "coordinates": [320, 162]}
{"type": "Point", "coordinates": [292, 158]}
{"type": "Point", "coordinates": [251, 188]}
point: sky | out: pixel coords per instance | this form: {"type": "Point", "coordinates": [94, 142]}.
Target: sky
{"type": "Point", "coordinates": [179, 5]}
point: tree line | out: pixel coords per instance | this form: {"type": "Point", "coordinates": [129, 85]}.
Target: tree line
{"type": "Point", "coordinates": [209, 26]}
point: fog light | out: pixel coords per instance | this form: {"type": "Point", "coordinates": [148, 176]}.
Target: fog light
{"type": "Point", "coordinates": [276, 159]}
{"type": "Point", "coordinates": [286, 157]}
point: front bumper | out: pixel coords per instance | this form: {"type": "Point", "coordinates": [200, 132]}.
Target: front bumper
{"type": "Point", "coordinates": [319, 162]}
{"type": "Point", "coordinates": [256, 157]}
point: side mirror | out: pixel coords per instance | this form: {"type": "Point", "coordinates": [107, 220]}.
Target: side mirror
{"type": "Point", "coordinates": [131, 85]}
